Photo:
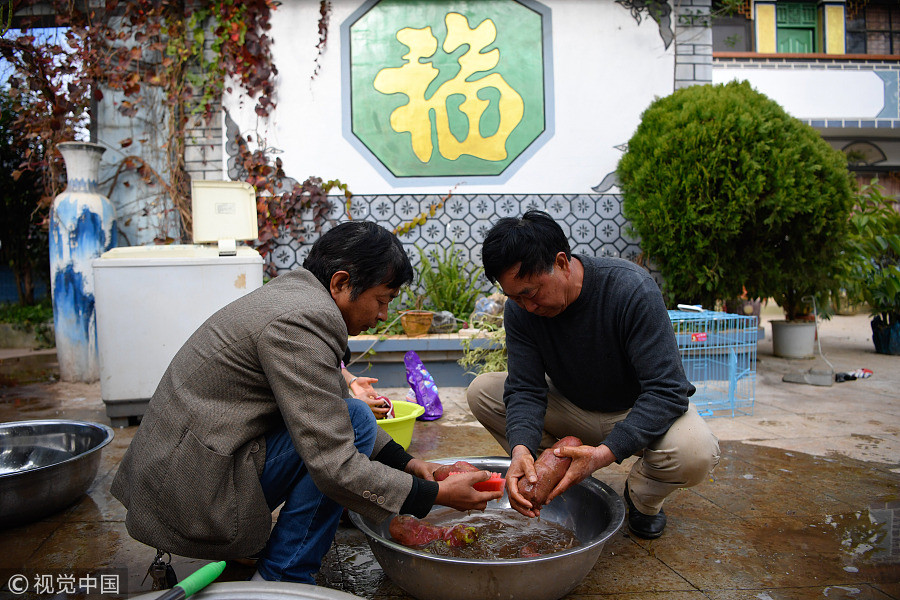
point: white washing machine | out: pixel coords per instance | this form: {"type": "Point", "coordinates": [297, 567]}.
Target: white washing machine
{"type": "Point", "coordinates": [150, 299]}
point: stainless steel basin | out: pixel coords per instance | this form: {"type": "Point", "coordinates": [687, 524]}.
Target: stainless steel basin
{"type": "Point", "coordinates": [261, 590]}
{"type": "Point", "coordinates": [46, 466]}
{"type": "Point", "coordinates": [591, 509]}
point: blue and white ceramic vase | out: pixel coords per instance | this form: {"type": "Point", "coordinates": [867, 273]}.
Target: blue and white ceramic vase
{"type": "Point", "coordinates": [82, 227]}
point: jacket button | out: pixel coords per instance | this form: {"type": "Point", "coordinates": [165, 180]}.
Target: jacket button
{"type": "Point", "coordinates": [380, 499]}
{"type": "Point", "coordinates": [254, 448]}
{"type": "Point", "coordinates": [366, 494]}
{"type": "Point", "coordinates": [373, 498]}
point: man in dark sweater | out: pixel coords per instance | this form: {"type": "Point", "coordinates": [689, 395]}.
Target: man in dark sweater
{"type": "Point", "coordinates": [592, 353]}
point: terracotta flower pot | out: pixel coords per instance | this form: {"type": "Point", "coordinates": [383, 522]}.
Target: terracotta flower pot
{"type": "Point", "coordinates": [416, 322]}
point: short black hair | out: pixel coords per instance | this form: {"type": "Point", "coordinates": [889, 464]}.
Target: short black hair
{"type": "Point", "coordinates": [533, 240]}
{"type": "Point", "coordinates": [371, 254]}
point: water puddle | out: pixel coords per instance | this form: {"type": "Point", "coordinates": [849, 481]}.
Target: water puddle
{"type": "Point", "coordinates": [17, 408]}
{"type": "Point", "coordinates": [865, 535]}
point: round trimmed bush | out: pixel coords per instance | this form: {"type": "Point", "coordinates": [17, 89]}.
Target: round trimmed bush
{"type": "Point", "coordinates": [728, 193]}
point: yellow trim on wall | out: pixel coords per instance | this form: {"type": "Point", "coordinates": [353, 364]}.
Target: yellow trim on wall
{"type": "Point", "coordinates": [834, 29]}
{"type": "Point", "coordinates": [765, 28]}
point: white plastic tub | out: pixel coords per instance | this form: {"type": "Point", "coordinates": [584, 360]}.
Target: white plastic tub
{"type": "Point", "coordinates": [149, 300]}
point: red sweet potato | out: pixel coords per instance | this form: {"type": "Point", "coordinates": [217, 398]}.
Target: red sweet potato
{"type": "Point", "coordinates": [528, 551]}
{"type": "Point", "coordinates": [550, 470]}
{"type": "Point", "coordinates": [411, 531]}
{"type": "Point", "coordinates": [460, 466]}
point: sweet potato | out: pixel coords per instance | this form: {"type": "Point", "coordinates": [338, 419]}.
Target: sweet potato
{"type": "Point", "coordinates": [411, 531]}
{"type": "Point", "coordinates": [460, 466]}
{"type": "Point", "coordinates": [550, 470]}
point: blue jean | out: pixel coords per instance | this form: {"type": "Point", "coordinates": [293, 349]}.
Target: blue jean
{"type": "Point", "coordinates": [308, 520]}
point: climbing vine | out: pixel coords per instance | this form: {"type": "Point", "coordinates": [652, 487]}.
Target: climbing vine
{"type": "Point", "coordinates": [324, 17]}
{"type": "Point", "coordinates": [420, 219]}
{"type": "Point", "coordinates": [283, 206]}
{"type": "Point", "coordinates": [144, 56]}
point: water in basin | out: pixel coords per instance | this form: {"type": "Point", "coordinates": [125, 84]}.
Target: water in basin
{"type": "Point", "coordinates": [502, 534]}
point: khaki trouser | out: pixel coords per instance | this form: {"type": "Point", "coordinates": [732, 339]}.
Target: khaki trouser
{"type": "Point", "coordinates": [682, 457]}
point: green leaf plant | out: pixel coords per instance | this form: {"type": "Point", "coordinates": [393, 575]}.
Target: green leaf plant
{"type": "Point", "coordinates": [730, 194]}
{"type": "Point", "coordinates": [874, 273]}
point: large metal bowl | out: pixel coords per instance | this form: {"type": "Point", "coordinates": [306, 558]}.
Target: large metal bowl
{"type": "Point", "coordinates": [592, 510]}
{"type": "Point", "coordinates": [46, 466]}
{"type": "Point", "coordinates": [261, 590]}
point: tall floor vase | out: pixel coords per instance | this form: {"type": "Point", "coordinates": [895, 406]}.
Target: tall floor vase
{"type": "Point", "coordinates": [82, 227]}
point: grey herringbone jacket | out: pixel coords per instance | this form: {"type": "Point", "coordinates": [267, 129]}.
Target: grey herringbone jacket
{"type": "Point", "coordinates": [190, 479]}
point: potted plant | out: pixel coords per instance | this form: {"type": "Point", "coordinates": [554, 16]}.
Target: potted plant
{"type": "Point", "coordinates": [445, 285]}
{"type": "Point", "coordinates": [874, 276]}
{"type": "Point", "coordinates": [731, 196]}
{"type": "Point", "coordinates": [416, 321]}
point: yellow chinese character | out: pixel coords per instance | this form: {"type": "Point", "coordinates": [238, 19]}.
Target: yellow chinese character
{"type": "Point", "coordinates": [414, 77]}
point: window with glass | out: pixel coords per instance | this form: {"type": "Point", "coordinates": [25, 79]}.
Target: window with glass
{"type": "Point", "coordinates": [796, 27]}
{"type": "Point", "coordinates": [874, 29]}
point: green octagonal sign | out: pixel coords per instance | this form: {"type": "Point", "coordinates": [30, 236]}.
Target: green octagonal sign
{"type": "Point", "coordinates": [441, 88]}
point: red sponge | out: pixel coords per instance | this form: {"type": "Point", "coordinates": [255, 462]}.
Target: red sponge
{"type": "Point", "coordinates": [494, 484]}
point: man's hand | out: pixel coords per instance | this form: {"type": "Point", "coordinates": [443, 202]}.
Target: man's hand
{"type": "Point", "coordinates": [585, 460]}
{"type": "Point", "coordinates": [362, 389]}
{"type": "Point", "coordinates": [421, 468]}
{"type": "Point", "coordinates": [457, 492]}
{"type": "Point", "coordinates": [378, 407]}
{"type": "Point", "coordinates": [521, 464]}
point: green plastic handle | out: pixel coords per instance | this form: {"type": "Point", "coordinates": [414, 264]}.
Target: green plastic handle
{"type": "Point", "coordinates": [201, 578]}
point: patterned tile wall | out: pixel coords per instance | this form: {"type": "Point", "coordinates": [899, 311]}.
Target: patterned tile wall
{"type": "Point", "coordinates": [594, 223]}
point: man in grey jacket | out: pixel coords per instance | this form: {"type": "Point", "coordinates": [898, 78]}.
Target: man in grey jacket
{"type": "Point", "coordinates": [253, 413]}
{"type": "Point", "coordinates": [591, 353]}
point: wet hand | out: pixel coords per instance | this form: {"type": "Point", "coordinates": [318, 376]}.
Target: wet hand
{"type": "Point", "coordinates": [421, 468]}
{"type": "Point", "coordinates": [379, 408]}
{"type": "Point", "coordinates": [585, 460]}
{"type": "Point", "coordinates": [521, 465]}
{"type": "Point", "coordinates": [362, 388]}
{"type": "Point", "coordinates": [457, 492]}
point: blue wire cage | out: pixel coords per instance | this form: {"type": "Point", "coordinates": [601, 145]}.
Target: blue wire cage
{"type": "Point", "coordinates": [718, 351]}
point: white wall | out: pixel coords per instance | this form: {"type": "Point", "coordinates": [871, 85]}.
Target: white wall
{"type": "Point", "coordinates": [606, 71]}
{"type": "Point", "coordinates": [815, 93]}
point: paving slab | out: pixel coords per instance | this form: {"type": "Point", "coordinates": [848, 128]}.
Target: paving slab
{"type": "Point", "coordinates": [804, 504]}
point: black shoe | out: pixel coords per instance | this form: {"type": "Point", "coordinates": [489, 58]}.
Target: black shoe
{"type": "Point", "coordinates": [644, 526]}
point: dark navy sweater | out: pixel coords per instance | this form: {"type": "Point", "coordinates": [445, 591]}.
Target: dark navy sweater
{"type": "Point", "coordinates": [612, 349]}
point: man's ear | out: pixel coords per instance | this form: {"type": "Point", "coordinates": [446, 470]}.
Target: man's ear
{"type": "Point", "coordinates": [562, 261]}
{"type": "Point", "coordinates": [340, 284]}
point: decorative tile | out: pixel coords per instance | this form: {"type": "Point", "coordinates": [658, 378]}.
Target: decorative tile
{"type": "Point", "coordinates": [532, 202]}
{"type": "Point", "coordinates": [481, 206]}
{"type": "Point", "coordinates": [607, 231]}
{"type": "Point", "coordinates": [458, 231]}
{"type": "Point", "coordinates": [479, 230]}
{"type": "Point", "coordinates": [433, 231]}
{"type": "Point", "coordinates": [456, 207]}
{"type": "Point", "coordinates": [593, 223]}
{"type": "Point", "coordinates": [557, 207]}
{"type": "Point", "coordinates": [284, 257]}
{"type": "Point", "coordinates": [508, 206]}
{"type": "Point", "coordinates": [583, 207]}
{"type": "Point", "coordinates": [382, 209]}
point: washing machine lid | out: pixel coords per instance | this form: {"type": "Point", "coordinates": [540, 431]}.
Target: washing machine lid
{"type": "Point", "coordinates": [223, 211]}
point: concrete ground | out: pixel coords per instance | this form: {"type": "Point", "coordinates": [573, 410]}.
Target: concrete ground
{"type": "Point", "coordinates": [804, 504]}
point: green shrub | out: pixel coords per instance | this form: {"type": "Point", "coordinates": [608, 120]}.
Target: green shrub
{"type": "Point", "coordinates": [25, 247]}
{"type": "Point", "coordinates": [728, 193]}
{"type": "Point", "coordinates": [34, 318]}
{"type": "Point", "coordinates": [28, 316]}
{"type": "Point", "coordinates": [875, 274]}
